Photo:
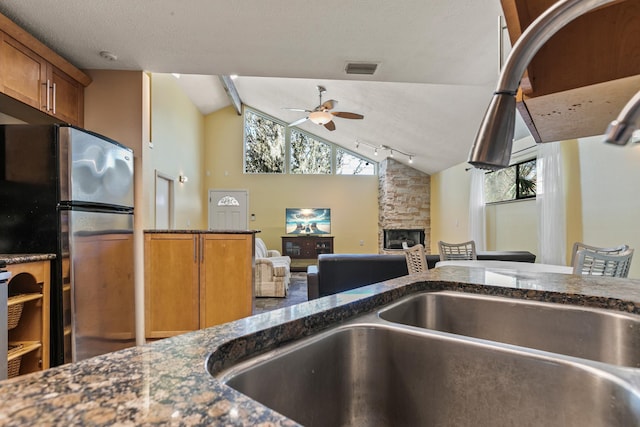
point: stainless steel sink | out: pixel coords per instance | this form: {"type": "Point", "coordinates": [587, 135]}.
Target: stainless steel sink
{"type": "Point", "coordinates": [369, 372]}
{"type": "Point", "coordinates": [595, 334]}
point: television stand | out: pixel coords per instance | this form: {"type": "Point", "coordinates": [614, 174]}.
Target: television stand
{"type": "Point", "coordinates": [304, 249]}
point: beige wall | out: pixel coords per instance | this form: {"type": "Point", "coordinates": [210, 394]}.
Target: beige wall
{"type": "Point", "coordinates": [512, 226]}
{"type": "Point", "coordinates": [602, 202]}
{"type": "Point", "coordinates": [611, 195]}
{"type": "Point", "coordinates": [113, 106]}
{"type": "Point", "coordinates": [450, 206]}
{"type": "Point", "coordinates": [353, 199]}
{"type": "Point", "coordinates": [177, 134]}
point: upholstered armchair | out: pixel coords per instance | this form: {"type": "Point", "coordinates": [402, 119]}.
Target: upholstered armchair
{"type": "Point", "coordinates": [272, 274]}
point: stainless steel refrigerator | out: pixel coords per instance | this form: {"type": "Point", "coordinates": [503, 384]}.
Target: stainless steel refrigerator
{"type": "Point", "coordinates": [68, 191]}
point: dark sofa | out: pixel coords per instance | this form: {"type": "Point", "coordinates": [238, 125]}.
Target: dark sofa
{"type": "Point", "coordinates": [340, 272]}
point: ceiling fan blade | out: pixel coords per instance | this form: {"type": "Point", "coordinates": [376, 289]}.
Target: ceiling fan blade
{"type": "Point", "coordinates": [297, 122]}
{"type": "Point", "coordinates": [297, 109]}
{"type": "Point", "coordinates": [346, 115]}
{"type": "Point", "coordinates": [329, 105]}
{"type": "Point", "coordinates": [330, 125]}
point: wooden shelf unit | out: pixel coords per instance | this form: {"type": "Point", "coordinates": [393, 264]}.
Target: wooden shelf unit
{"type": "Point", "coordinates": [304, 250]}
{"type": "Point", "coordinates": [30, 285]}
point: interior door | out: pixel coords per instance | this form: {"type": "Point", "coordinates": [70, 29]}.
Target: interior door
{"type": "Point", "coordinates": [228, 209]}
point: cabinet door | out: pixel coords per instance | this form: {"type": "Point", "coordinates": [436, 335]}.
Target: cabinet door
{"type": "Point", "coordinates": [171, 284]}
{"type": "Point", "coordinates": [67, 98]}
{"type": "Point", "coordinates": [23, 74]}
{"type": "Point", "coordinates": [226, 278]}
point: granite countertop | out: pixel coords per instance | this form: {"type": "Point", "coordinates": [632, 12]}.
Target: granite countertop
{"type": "Point", "coordinates": [22, 258]}
{"type": "Point", "coordinates": [166, 382]}
{"type": "Point", "coordinates": [203, 231]}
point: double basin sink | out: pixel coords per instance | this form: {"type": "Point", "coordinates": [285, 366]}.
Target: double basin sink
{"type": "Point", "coordinates": [456, 359]}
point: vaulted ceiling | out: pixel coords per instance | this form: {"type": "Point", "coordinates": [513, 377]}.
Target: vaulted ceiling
{"type": "Point", "coordinates": [437, 59]}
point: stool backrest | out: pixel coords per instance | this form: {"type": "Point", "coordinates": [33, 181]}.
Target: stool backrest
{"type": "Point", "coordinates": [457, 251]}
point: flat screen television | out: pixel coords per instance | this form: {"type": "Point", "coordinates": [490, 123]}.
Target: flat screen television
{"type": "Point", "coordinates": [309, 221]}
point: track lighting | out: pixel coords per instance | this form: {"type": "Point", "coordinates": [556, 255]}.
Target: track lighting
{"type": "Point", "coordinates": [392, 151]}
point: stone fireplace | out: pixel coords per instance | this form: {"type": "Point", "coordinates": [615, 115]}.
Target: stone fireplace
{"type": "Point", "coordinates": [403, 206]}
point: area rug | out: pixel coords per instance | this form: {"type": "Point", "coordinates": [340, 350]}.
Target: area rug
{"type": "Point", "coordinates": [297, 293]}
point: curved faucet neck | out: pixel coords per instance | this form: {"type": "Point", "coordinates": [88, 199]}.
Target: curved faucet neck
{"type": "Point", "coordinates": [492, 147]}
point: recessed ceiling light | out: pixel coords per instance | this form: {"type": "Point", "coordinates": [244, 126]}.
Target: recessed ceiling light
{"type": "Point", "coordinates": [108, 55]}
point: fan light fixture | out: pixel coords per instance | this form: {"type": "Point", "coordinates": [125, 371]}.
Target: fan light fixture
{"type": "Point", "coordinates": [320, 117]}
{"type": "Point", "coordinates": [322, 114]}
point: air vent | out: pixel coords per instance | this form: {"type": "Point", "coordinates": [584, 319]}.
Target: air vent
{"type": "Point", "coordinates": [361, 68]}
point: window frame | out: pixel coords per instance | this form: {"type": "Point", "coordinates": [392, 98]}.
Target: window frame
{"type": "Point", "coordinates": [518, 197]}
{"type": "Point", "coordinates": [308, 136]}
{"type": "Point", "coordinates": [287, 169]}
{"type": "Point", "coordinates": [244, 142]}
{"type": "Point", "coordinates": [354, 154]}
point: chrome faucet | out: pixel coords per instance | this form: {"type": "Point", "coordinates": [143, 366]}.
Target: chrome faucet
{"type": "Point", "coordinates": [620, 130]}
{"type": "Point", "coordinates": [494, 140]}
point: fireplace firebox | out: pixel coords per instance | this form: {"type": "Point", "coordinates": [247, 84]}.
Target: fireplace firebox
{"type": "Point", "coordinates": [393, 238]}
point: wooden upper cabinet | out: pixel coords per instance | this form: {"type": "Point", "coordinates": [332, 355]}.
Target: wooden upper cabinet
{"type": "Point", "coordinates": [35, 76]}
{"type": "Point", "coordinates": [583, 76]}
{"type": "Point", "coordinates": [22, 72]}
{"type": "Point", "coordinates": [67, 97]}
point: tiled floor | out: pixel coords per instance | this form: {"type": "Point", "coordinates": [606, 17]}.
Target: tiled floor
{"type": "Point", "coordinates": [297, 294]}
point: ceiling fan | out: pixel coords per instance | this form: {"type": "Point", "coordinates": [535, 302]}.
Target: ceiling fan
{"type": "Point", "coordinates": [321, 114]}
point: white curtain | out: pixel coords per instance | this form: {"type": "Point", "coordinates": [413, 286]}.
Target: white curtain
{"type": "Point", "coordinates": [477, 222]}
{"type": "Point", "coordinates": [550, 202]}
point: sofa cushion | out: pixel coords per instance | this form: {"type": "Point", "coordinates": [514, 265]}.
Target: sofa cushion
{"type": "Point", "coordinates": [261, 248]}
{"type": "Point", "coordinates": [340, 272]}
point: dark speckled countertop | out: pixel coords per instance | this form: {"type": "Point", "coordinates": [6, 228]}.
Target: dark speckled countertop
{"type": "Point", "coordinates": [203, 231]}
{"type": "Point", "coordinates": [166, 383]}
{"type": "Point", "coordinates": [22, 258]}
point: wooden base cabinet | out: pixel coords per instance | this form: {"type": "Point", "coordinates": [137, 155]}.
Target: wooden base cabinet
{"type": "Point", "coordinates": [29, 332]}
{"type": "Point", "coordinates": [196, 280]}
{"type": "Point", "coordinates": [226, 278]}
